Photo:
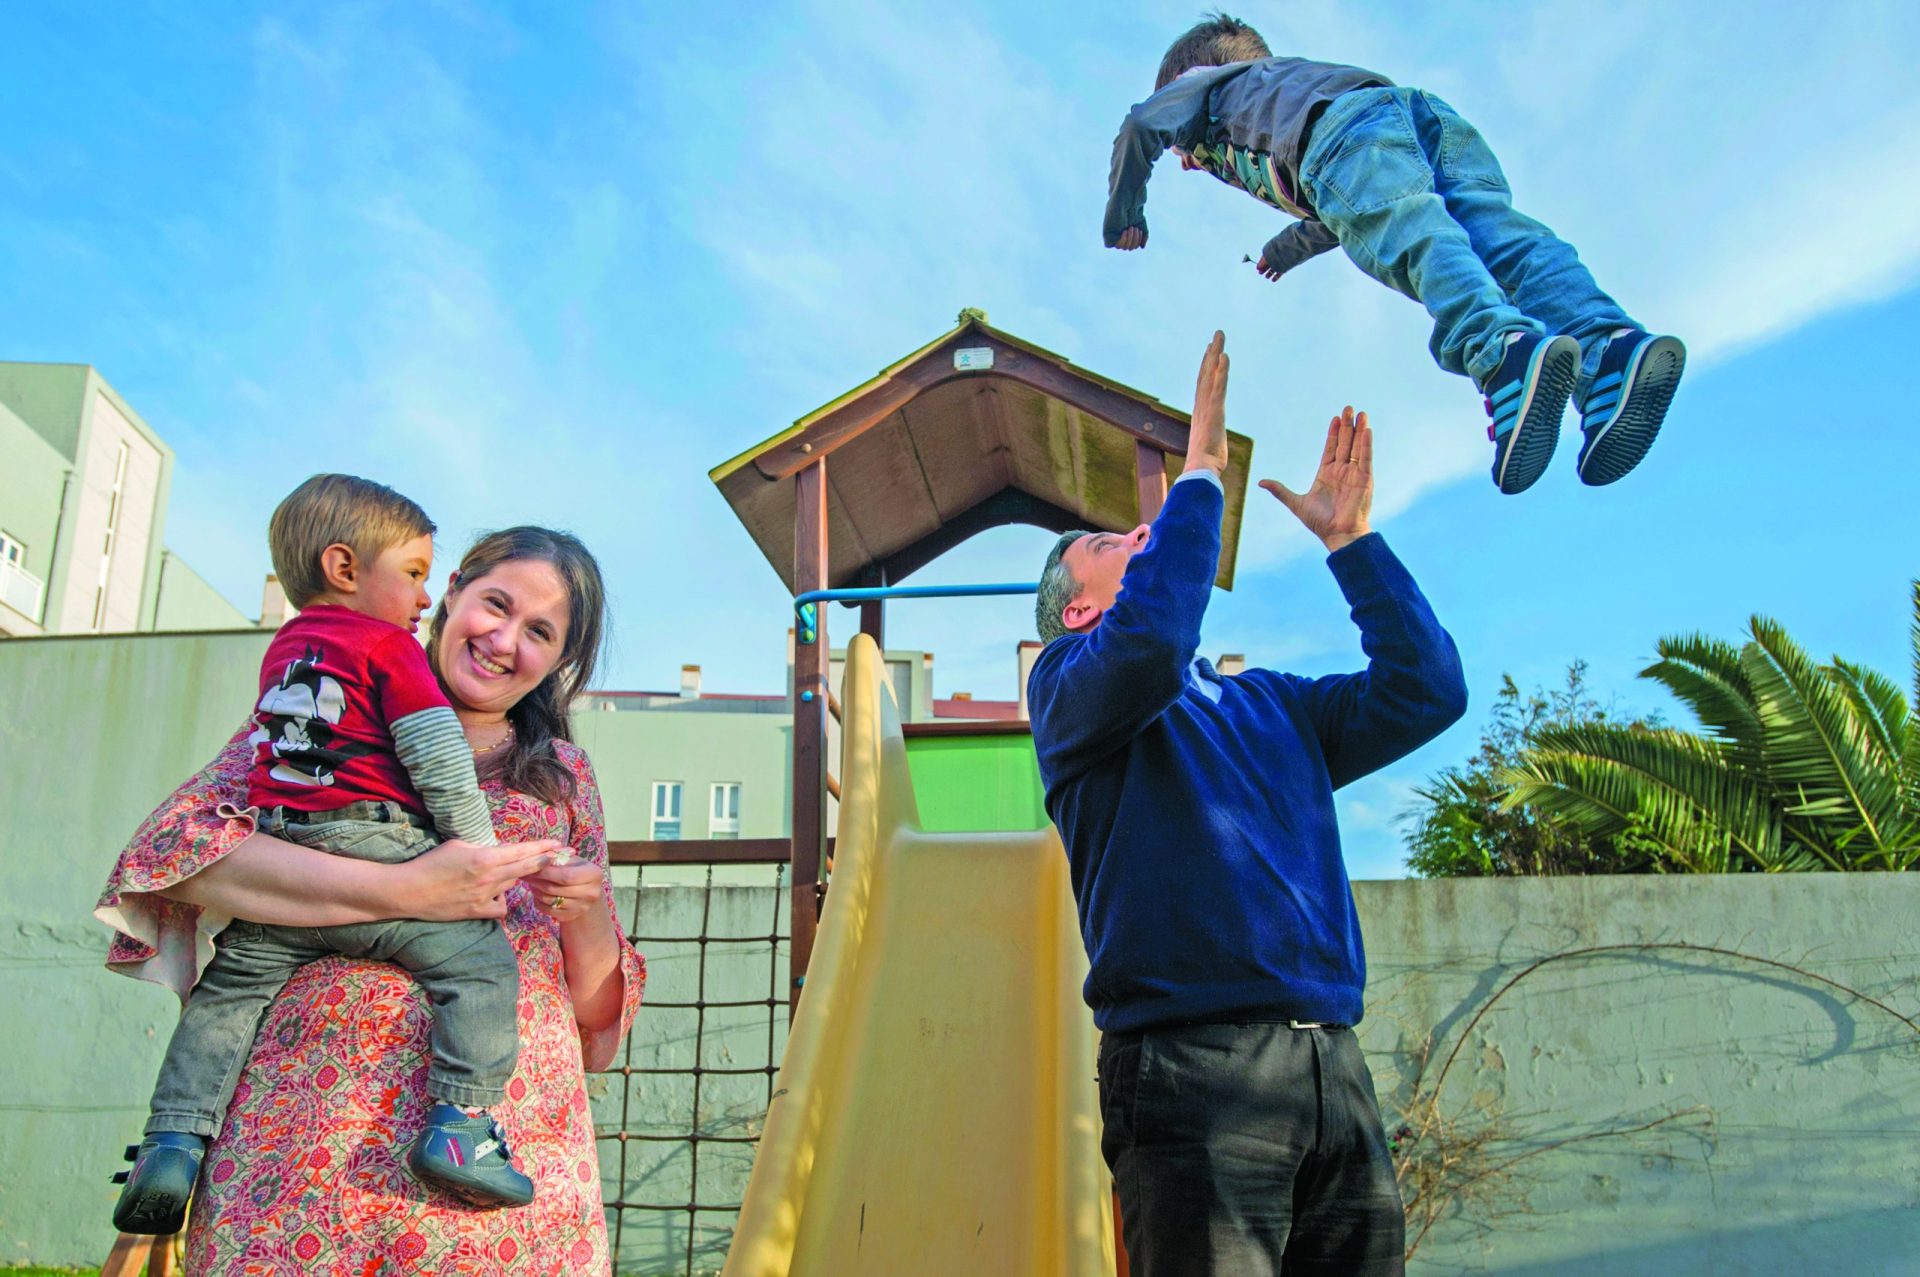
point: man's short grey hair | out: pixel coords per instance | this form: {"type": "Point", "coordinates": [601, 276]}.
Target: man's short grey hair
{"type": "Point", "coordinates": [1058, 587]}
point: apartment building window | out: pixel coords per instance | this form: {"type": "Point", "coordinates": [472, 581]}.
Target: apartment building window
{"type": "Point", "coordinates": [724, 819]}
{"type": "Point", "coordinates": [19, 588]}
{"type": "Point", "coordinates": [666, 810]}
{"type": "Point", "coordinates": [113, 523]}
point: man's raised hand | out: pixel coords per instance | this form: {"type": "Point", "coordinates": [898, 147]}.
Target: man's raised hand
{"type": "Point", "coordinates": [1207, 436]}
{"type": "Point", "coordinates": [1336, 508]}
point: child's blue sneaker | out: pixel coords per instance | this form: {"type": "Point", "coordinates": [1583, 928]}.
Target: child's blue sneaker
{"type": "Point", "coordinates": [1526, 397]}
{"type": "Point", "coordinates": [1622, 410]}
{"type": "Point", "coordinates": [166, 1165]}
{"type": "Point", "coordinates": [468, 1155]}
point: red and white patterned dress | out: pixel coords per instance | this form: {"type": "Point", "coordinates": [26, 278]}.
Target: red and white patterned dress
{"type": "Point", "coordinates": [307, 1175]}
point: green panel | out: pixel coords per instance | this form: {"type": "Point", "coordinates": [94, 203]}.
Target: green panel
{"type": "Point", "coordinates": [977, 783]}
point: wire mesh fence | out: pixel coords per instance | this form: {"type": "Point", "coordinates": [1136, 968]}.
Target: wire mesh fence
{"type": "Point", "coordinates": [679, 1115]}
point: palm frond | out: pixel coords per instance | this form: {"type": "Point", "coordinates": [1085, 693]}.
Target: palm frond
{"type": "Point", "coordinates": [1913, 636]}
{"type": "Point", "coordinates": [1705, 674]}
{"type": "Point", "coordinates": [1879, 704]}
{"type": "Point", "coordinates": [1679, 790]}
{"type": "Point", "coordinates": [1817, 750]}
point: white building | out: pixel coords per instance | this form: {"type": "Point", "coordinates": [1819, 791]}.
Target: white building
{"type": "Point", "coordinates": [84, 483]}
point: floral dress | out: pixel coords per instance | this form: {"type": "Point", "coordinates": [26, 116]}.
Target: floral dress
{"type": "Point", "coordinates": [308, 1174]}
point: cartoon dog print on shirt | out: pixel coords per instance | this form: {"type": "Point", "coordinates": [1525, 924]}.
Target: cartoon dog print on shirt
{"type": "Point", "coordinates": [296, 719]}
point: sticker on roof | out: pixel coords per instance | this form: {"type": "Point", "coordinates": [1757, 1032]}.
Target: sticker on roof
{"type": "Point", "coordinates": [973, 359]}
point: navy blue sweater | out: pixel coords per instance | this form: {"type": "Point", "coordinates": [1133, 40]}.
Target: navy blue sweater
{"type": "Point", "coordinates": [1204, 852]}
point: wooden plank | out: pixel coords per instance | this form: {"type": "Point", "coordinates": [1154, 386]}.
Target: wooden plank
{"type": "Point", "coordinates": [873, 621]}
{"type": "Point", "coordinates": [1150, 467]}
{"type": "Point", "coordinates": [851, 420]}
{"type": "Point", "coordinates": [1143, 421]}
{"type": "Point", "coordinates": [968, 727]}
{"type": "Point", "coordinates": [810, 690]}
{"type": "Point", "coordinates": [702, 851]}
{"type": "Point", "coordinates": [879, 494]}
{"type": "Point", "coordinates": [951, 428]}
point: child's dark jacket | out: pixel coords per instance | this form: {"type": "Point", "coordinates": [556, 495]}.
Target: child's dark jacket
{"type": "Point", "coordinates": [1265, 107]}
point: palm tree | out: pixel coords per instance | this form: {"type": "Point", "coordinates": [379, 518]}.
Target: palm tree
{"type": "Point", "coordinates": [1798, 766]}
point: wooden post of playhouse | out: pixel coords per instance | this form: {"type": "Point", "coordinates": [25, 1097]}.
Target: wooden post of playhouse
{"type": "Point", "coordinates": [810, 666]}
{"type": "Point", "coordinates": [873, 613]}
{"type": "Point", "coordinates": [1150, 468]}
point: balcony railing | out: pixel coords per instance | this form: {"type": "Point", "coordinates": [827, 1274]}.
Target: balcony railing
{"type": "Point", "coordinates": [21, 590]}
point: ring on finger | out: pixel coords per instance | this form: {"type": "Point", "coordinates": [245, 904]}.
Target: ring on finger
{"type": "Point", "coordinates": [554, 902]}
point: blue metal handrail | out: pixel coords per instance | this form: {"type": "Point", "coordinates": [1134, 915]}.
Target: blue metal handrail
{"type": "Point", "coordinates": [804, 605]}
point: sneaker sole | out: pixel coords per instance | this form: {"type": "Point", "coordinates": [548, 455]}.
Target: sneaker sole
{"type": "Point", "coordinates": [1650, 379]}
{"type": "Point", "coordinates": [1536, 433]}
{"type": "Point", "coordinates": [471, 1194]}
{"type": "Point", "coordinates": [159, 1215]}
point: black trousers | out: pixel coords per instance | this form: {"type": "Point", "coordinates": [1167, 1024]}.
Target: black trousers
{"type": "Point", "coordinates": [1242, 1150]}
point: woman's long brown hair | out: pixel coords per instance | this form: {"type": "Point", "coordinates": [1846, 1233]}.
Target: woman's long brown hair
{"type": "Point", "coordinates": [531, 765]}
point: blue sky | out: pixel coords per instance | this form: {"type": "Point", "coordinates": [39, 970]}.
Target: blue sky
{"type": "Point", "coordinates": [551, 263]}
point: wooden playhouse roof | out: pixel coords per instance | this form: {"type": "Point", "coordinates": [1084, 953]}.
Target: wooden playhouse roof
{"type": "Point", "coordinates": [974, 430]}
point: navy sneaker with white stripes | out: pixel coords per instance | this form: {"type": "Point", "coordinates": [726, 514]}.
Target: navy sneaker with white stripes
{"type": "Point", "coordinates": [1526, 397]}
{"type": "Point", "coordinates": [1622, 410]}
{"type": "Point", "coordinates": [467, 1154]}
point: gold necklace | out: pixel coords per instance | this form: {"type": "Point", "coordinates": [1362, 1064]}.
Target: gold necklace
{"type": "Point", "coordinates": [488, 749]}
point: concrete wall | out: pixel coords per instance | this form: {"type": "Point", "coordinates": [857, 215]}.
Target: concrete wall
{"type": "Point", "coordinates": [94, 732]}
{"type": "Point", "coordinates": [1794, 1144]}
{"type": "Point", "coordinates": [1794, 1140]}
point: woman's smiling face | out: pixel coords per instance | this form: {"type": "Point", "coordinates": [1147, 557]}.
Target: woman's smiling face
{"type": "Point", "coordinates": [504, 633]}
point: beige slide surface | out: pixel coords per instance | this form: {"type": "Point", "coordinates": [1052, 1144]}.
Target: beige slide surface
{"type": "Point", "coordinates": [935, 1112]}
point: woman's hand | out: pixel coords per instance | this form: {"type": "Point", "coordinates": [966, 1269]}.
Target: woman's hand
{"type": "Point", "coordinates": [569, 890]}
{"type": "Point", "coordinates": [458, 880]}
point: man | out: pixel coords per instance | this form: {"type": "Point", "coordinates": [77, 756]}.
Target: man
{"type": "Point", "coordinates": [1197, 811]}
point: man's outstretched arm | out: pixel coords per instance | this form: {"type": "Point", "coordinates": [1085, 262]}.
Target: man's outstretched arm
{"type": "Point", "coordinates": [1413, 688]}
{"type": "Point", "coordinates": [1091, 693]}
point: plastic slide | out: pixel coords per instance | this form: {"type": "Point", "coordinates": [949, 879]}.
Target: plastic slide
{"type": "Point", "coordinates": [935, 1112]}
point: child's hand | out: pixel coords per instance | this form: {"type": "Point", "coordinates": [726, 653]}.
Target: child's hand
{"type": "Point", "coordinates": [1131, 238]}
{"type": "Point", "coordinates": [1266, 271]}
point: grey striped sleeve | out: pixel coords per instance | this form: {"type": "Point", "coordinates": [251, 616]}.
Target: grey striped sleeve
{"type": "Point", "coordinates": [434, 750]}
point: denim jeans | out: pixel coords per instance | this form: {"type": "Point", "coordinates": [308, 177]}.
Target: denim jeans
{"type": "Point", "coordinates": [1418, 201]}
{"type": "Point", "coordinates": [468, 970]}
{"type": "Point", "coordinates": [1247, 1150]}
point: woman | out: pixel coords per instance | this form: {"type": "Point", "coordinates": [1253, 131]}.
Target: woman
{"type": "Point", "coordinates": [307, 1174]}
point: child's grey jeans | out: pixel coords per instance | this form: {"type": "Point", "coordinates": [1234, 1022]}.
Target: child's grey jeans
{"type": "Point", "coordinates": [468, 970]}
